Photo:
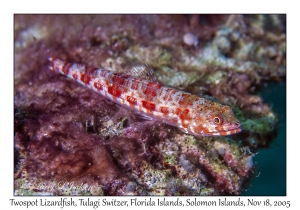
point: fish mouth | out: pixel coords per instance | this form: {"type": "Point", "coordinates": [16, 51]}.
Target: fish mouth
{"type": "Point", "coordinates": [224, 133]}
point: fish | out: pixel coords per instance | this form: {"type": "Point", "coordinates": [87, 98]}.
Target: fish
{"type": "Point", "coordinates": [148, 98]}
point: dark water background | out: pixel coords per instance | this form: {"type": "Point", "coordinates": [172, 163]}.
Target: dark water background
{"type": "Point", "coordinates": [270, 175]}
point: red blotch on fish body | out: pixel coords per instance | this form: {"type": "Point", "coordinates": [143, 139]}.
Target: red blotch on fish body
{"type": "Point", "coordinates": [118, 80]}
{"type": "Point", "coordinates": [178, 111]}
{"type": "Point", "coordinates": [151, 90]}
{"type": "Point", "coordinates": [148, 105]}
{"type": "Point", "coordinates": [187, 100]}
{"type": "Point", "coordinates": [98, 86]}
{"type": "Point", "coordinates": [200, 129]}
{"type": "Point", "coordinates": [131, 100]}
{"type": "Point", "coordinates": [85, 78]}
{"type": "Point", "coordinates": [184, 116]}
{"type": "Point", "coordinates": [114, 90]}
{"type": "Point", "coordinates": [164, 110]}
{"type": "Point", "coordinates": [66, 67]}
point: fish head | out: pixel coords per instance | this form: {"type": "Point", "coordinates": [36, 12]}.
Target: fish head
{"type": "Point", "coordinates": [214, 120]}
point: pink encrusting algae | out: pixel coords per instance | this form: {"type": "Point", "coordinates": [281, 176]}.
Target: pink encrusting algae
{"type": "Point", "coordinates": [192, 114]}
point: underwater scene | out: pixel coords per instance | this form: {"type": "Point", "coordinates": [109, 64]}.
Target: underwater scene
{"type": "Point", "coordinates": [150, 105]}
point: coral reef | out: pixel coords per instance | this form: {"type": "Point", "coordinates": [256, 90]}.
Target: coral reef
{"type": "Point", "coordinates": [71, 141]}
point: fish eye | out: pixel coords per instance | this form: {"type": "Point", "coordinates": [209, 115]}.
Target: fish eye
{"type": "Point", "coordinates": [217, 120]}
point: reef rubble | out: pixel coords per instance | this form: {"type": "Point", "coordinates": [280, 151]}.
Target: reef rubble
{"type": "Point", "coordinates": [70, 140]}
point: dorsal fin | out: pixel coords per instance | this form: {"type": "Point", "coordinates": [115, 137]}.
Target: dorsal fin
{"type": "Point", "coordinates": [142, 70]}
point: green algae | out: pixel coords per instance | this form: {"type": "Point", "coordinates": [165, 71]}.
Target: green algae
{"type": "Point", "coordinates": [216, 77]}
{"type": "Point", "coordinates": [259, 125]}
{"type": "Point", "coordinates": [23, 187]}
{"type": "Point", "coordinates": [177, 79]}
{"type": "Point", "coordinates": [262, 125]}
{"type": "Point", "coordinates": [170, 159]}
{"type": "Point", "coordinates": [190, 140]}
{"type": "Point", "coordinates": [206, 191]}
{"type": "Point", "coordinates": [154, 179]}
{"type": "Point", "coordinates": [155, 56]}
